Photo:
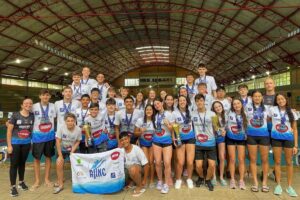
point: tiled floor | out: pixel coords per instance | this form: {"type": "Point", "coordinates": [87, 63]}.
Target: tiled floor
{"type": "Point", "coordinates": [222, 193]}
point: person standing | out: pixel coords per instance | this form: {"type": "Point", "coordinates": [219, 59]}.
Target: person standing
{"type": "Point", "coordinates": [102, 87]}
{"type": "Point", "coordinates": [86, 80]}
{"type": "Point", "coordinates": [208, 80]}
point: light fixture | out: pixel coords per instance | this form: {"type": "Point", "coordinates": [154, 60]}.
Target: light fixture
{"type": "Point", "coordinates": [253, 76]}
{"type": "Point", "coordinates": [66, 73]}
{"type": "Point", "coordinates": [288, 67]}
{"type": "Point", "coordinates": [46, 68]}
{"type": "Point", "coordinates": [233, 82]}
{"type": "Point", "coordinates": [18, 61]}
{"type": "Point", "coordinates": [268, 73]}
{"type": "Point", "coordinates": [150, 86]}
{"type": "Point", "coordinates": [242, 79]}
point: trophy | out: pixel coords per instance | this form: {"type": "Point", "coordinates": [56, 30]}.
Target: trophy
{"type": "Point", "coordinates": [177, 134]}
{"type": "Point", "coordinates": [216, 125]}
{"type": "Point", "coordinates": [87, 129]}
{"type": "Point", "coordinates": [3, 154]}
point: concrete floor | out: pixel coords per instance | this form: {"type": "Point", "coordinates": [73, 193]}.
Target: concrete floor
{"type": "Point", "coordinates": [222, 193]}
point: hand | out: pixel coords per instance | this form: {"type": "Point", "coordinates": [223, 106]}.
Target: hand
{"type": "Point", "coordinates": [86, 144]}
{"type": "Point", "coordinates": [166, 122]}
{"type": "Point", "coordinates": [60, 161]}
{"type": "Point", "coordinates": [106, 85]}
{"type": "Point", "coordinates": [143, 129]}
{"type": "Point", "coordinates": [223, 132]}
{"type": "Point", "coordinates": [295, 150]}
{"type": "Point", "coordinates": [174, 142]}
{"type": "Point", "coordinates": [9, 149]}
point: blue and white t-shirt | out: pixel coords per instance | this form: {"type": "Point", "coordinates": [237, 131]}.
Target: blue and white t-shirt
{"type": "Point", "coordinates": [79, 90]}
{"type": "Point", "coordinates": [162, 133]}
{"type": "Point", "coordinates": [62, 108]}
{"type": "Point", "coordinates": [210, 83]}
{"type": "Point", "coordinates": [146, 136]}
{"type": "Point", "coordinates": [257, 120]}
{"type": "Point", "coordinates": [110, 129]}
{"type": "Point", "coordinates": [81, 114]}
{"type": "Point", "coordinates": [185, 125]}
{"type": "Point", "coordinates": [97, 129]}
{"type": "Point", "coordinates": [235, 128]}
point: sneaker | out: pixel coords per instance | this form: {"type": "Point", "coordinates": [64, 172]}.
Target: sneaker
{"type": "Point", "coordinates": [214, 181]}
{"type": "Point", "coordinates": [242, 185]}
{"type": "Point", "coordinates": [22, 186]}
{"type": "Point", "coordinates": [185, 173]}
{"type": "Point", "coordinates": [209, 184]}
{"type": "Point", "coordinates": [278, 190]}
{"type": "Point", "coordinates": [159, 185]}
{"type": "Point", "coordinates": [291, 192]}
{"type": "Point", "coordinates": [178, 184]}
{"type": "Point", "coordinates": [232, 184]}
{"type": "Point", "coordinates": [14, 191]}
{"type": "Point", "coordinates": [151, 185]}
{"type": "Point", "coordinates": [190, 183]}
{"type": "Point", "coordinates": [199, 182]}
{"type": "Point", "coordinates": [223, 182]}
{"type": "Point", "coordinates": [165, 189]}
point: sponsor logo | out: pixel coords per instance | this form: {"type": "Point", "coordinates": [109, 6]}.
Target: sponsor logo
{"type": "Point", "coordinates": [160, 133]}
{"type": "Point", "coordinates": [148, 136]}
{"type": "Point", "coordinates": [281, 128]}
{"type": "Point", "coordinates": [186, 129]}
{"type": "Point", "coordinates": [61, 109]}
{"type": "Point", "coordinates": [256, 123]}
{"type": "Point", "coordinates": [97, 171]}
{"type": "Point", "coordinates": [231, 117]}
{"type": "Point", "coordinates": [179, 119]}
{"type": "Point", "coordinates": [19, 121]}
{"type": "Point", "coordinates": [79, 174]}
{"type": "Point", "coordinates": [202, 137]}
{"type": "Point", "coordinates": [195, 119]}
{"type": "Point", "coordinates": [97, 134]}
{"type": "Point", "coordinates": [115, 155]}
{"type": "Point", "coordinates": [45, 128]}
{"type": "Point", "coordinates": [234, 129]}
{"type": "Point", "coordinates": [113, 175]}
{"type": "Point", "coordinates": [23, 134]}
{"type": "Point", "coordinates": [112, 136]}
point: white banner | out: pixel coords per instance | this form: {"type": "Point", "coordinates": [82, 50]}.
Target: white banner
{"type": "Point", "coordinates": [99, 173]}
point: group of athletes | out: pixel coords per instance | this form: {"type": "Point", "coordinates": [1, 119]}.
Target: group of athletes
{"type": "Point", "coordinates": [199, 129]}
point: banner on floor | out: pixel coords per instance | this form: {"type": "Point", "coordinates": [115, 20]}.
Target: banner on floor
{"type": "Point", "coordinates": [99, 173]}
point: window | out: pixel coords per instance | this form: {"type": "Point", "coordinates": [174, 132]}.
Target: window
{"type": "Point", "coordinates": [37, 84]}
{"type": "Point", "coordinates": [132, 82]}
{"type": "Point", "coordinates": [11, 81]}
{"type": "Point", "coordinates": [54, 86]}
{"type": "Point", "coordinates": [19, 82]}
{"type": "Point", "coordinates": [180, 81]}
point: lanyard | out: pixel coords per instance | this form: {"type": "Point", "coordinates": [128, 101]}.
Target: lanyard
{"type": "Point", "coordinates": [185, 119]}
{"type": "Point", "coordinates": [100, 90]}
{"type": "Point", "coordinates": [128, 121]}
{"type": "Point", "coordinates": [239, 121]}
{"type": "Point", "coordinates": [111, 122]}
{"type": "Point", "coordinates": [83, 115]}
{"type": "Point", "coordinates": [45, 112]}
{"type": "Point", "coordinates": [159, 119]}
{"type": "Point", "coordinates": [67, 109]}
{"type": "Point", "coordinates": [85, 83]}
{"type": "Point", "coordinates": [202, 121]}
{"type": "Point", "coordinates": [78, 90]}
{"type": "Point", "coordinates": [202, 81]}
{"type": "Point", "coordinates": [190, 90]}
{"type": "Point", "coordinates": [245, 102]}
{"type": "Point", "coordinates": [282, 117]}
{"type": "Point", "coordinates": [258, 113]}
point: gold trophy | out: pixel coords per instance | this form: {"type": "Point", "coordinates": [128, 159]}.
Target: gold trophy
{"type": "Point", "coordinates": [87, 129]}
{"type": "Point", "coordinates": [216, 125]}
{"type": "Point", "coordinates": [177, 134]}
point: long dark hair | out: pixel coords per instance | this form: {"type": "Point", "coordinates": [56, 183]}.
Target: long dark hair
{"type": "Point", "coordinates": [165, 105]}
{"type": "Point", "coordinates": [153, 115]}
{"type": "Point", "coordinates": [157, 99]}
{"type": "Point", "coordinates": [288, 109]}
{"type": "Point", "coordinates": [143, 100]}
{"type": "Point", "coordinates": [262, 106]}
{"type": "Point", "coordinates": [187, 111]}
{"type": "Point", "coordinates": [187, 97]}
{"type": "Point", "coordinates": [245, 122]}
{"type": "Point", "coordinates": [222, 113]}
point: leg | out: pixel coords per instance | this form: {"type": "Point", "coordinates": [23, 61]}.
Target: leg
{"type": "Point", "coordinates": [180, 154]}
{"type": "Point", "coordinates": [231, 154]}
{"type": "Point", "coordinates": [60, 173]}
{"type": "Point", "coordinates": [190, 156]}
{"type": "Point", "coordinates": [211, 169]}
{"type": "Point", "coordinates": [24, 155]}
{"type": "Point", "coordinates": [253, 158]}
{"type": "Point", "coordinates": [221, 152]}
{"type": "Point", "coordinates": [49, 151]}
{"type": "Point", "coordinates": [147, 167]}
{"type": "Point", "coordinates": [47, 170]}
{"type": "Point", "coordinates": [151, 163]}
{"type": "Point", "coordinates": [167, 156]}
{"type": "Point", "coordinates": [158, 158]}
{"type": "Point", "coordinates": [14, 164]}
{"type": "Point", "coordinates": [289, 164]}
{"type": "Point", "coordinates": [241, 158]}
{"type": "Point", "coordinates": [136, 175]}
{"type": "Point", "coordinates": [264, 153]}
{"type": "Point", "coordinates": [277, 159]}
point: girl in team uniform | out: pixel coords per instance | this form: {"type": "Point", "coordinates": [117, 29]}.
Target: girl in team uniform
{"type": "Point", "coordinates": [169, 103]}
{"type": "Point", "coordinates": [162, 144]}
{"type": "Point", "coordinates": [258, 135]}
{"type": "Point", "coordinates": [139, 101]}
{"type": "Point", "coordinates": [186, 151]}
{"type": "Point", "coordinates": [236, 139]}
{"type": "Point", "coordinates": [151, 97]}
{"type": "Point", "coordinates": [284, 135]}
{"type": "Point", "coordinates": [218, 108]}
{"type": "Point", "coordinates": [144, 129]}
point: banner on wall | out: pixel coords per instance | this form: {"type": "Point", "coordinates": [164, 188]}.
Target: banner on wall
{"type": "Point", "coordinates": [99, 173]}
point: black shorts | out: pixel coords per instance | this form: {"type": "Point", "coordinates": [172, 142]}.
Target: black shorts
{"type": "Point", "coordinates": [46, 148]}
{"type": "Point", "coordinates": [82, 148]}
{"type": "Point", "coordinates": [133, 140]}
{"type": "Point", "coordinates": [210, 152]}
{"type": "Point", "coordinates": [162, 145]}
{"type": "Point", "coordinates": [98, 149]}
{"type": "Point", "coordinates": [189, 141]}
{"type": "Point", "coordinates": [282, 143]}
{"type": "Point", "coordinates": [235, 142]}
{"type": "Point", "coordinates": [258, 140]}
{"type": "Point", "coordinates": [65, 155]}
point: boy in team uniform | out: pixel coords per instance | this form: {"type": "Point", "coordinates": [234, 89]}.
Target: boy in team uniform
{"type": "Point", "coordinates": [78, 88]}
{"type": "Point", "coordinates": [243, 92]}
{"type": "Point", "coordinates": [86, 80]}
{"type": "Point", "coordinates": [95, 99]}
{"type": "Point", "coordinates": [202, 89]}
{"type": "Point", "coordinates": [208, 80]}
{"type": "Point", "coordinates": [43, 136]}
{"type": "Point", "coordinates": [102, 87]}
{"type": "Point", "coordinates": [221, 96]}
{"type": "Point", "coordinates": [191, 86]}
{"type": "Point", "coordinates": [110, 117]}
{"type": "Point", "coordinates": [81, 114]}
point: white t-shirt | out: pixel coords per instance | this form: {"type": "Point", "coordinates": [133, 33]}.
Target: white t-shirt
{"type": "Point", "coordinates": [68, 137]}
{"type": "Point", "coordinates": [210, 83]}
{"type": "Point", "coordinates": [122, 122]}
{"type": "Point", "coordinates": [146, 136]}
{"type": "Point", "coordinates": [208, 102]}
{"type": "Point", "coordinates": [120, 103]}
{"type": "Point", "coordinates": [61, 109]}
{"type": "Point", "coordinates": [89, 82]}
{"type": "Point", "coordinates": [103, 91]}
{"type": "Point", "coordinates": [79, 90]}
{"type": "Point", "coordinates": [81, 114]}
{"type": "Point", "coordinates": [135, 157]}
{"type": "Point", "coordinates": [102, 107]}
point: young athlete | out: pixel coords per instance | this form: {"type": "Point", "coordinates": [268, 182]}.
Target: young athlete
{"type": "Point", "coordinates": [139, 101]}
{"type": "Point", "coordinates": [78, 88]}
{"type": "Point", "coordinates": [95, 99]}
{"type": "Point", "coordinates": [110, 117]}
{"type": "Point", "coordinates": [151, 97]}
{"type": "Point", "coordinates": [243, 92]}
{"type": "Point", "coordinates": [86, 80]}
{"type": "Point", "coordinates": [191, 86]}
{"type": "Point", "coordinates": [208, 80]}
{"type": "Point", "coordinates": [169, 103]}
{"type": "Point", "coordinates": [102, 87]}
{"type": "Point", "coordinates": [202, 88]}
{"type": "Point", "coordinates": [19, 130]}
{"type": "Point", "coordinates": [163, 94]}
{"type": "Point", "coordinates": [221, 96]}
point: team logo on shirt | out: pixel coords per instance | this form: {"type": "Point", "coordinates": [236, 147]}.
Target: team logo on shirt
{"type": "Point", "coordinates": [281, 128]}
{"type": "Point", "coordinates": [161, 133]}
{"type": "Point", "coordinates": [256, 123]}
{"type": "Point", "coordinates": [202, 137]}
{"type": "Point", "coordinates": [195, 119]}
{"type": "Point", "coordinates": [186, 128]}
{"type": "Point", "coordinates": [148, 136]}
{"type": "Point", "coordinates": [97, 134]}
{"type": "Point", "coordinates": [23, 134]}
{"type": "Point", "coordinates": [45, 127]}
{"type": "Point", "coordinates": [234, 129]}
{"type": "Point", "coordinates": [111, 136]}
{"type": "Point", "coordinates": [231, 117]}
{"type": "Point", "coordinates": [115, 155]}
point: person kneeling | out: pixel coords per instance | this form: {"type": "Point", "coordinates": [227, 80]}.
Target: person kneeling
{"type": "Point", "coordinates": [135, 159]}
{"type": "Point", "coordinates": [68, 138]}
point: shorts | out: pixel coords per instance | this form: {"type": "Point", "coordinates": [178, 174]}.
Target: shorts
{"type": "Point", "coordinates": [235, 142]}
{"type": "Point", "coordinates": [210, 153]}
{"type": "Point", "coordinates": [162, 145]}
{"type": "Point", "coordinates": [46, 148]}
{"type": "Point", "coordinates": [82, 148]}
{"type": "Point", "coordinates": [258, 140]}
{"type": "Point", "coordinates": [282, 143]}
{"type": "Point", "coordinates": [98, 149]}
{"type": "Point", "coordinates": [65, 155]}
{"type": "Point", "coordinates": [189, 141]}
{"type": "Point", "coordinates": [133, 140]}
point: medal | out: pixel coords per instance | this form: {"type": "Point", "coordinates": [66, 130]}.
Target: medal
{"type": "Point", "coordinates": [203, 121]}
{"type": "Point", "coordinates": [128, 121]}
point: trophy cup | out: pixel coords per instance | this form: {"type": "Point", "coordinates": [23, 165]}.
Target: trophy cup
{"type": "Point", "coordinates": [216, 125]}
{"type": "Point", "coordinates": [87, 129]}
{"type": "Point", "coordinates": [177, 134]}
{"type": "Point", "coordinates": [3, 154]}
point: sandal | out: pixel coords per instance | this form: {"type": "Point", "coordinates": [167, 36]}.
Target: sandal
{"type": "Point", "coordinates": [265, 188]}
{"type": "Point", "coordinates": [57, 190]}
{"type": "Point", "coordinates": [137, 194]}
{"type": "Point", "coordinates": [34, 188]}
{"type": "Point", "coordinates": [254, 188]}
{"type": "Point", "coordinates": [55, 185]}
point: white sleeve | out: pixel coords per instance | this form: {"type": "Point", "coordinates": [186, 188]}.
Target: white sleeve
{"type": "Point", "coordinates": [213, 83]}
{"type": "Point", "coordinates": [118, 118]}
{"type": "Point", "coordinates": [270, 111]}
{"type": "Point", "coordinates": [141, 156]}
{"type": "Point", "coordinates": [295, 115]}
{"type": "Point", "coordinates": [79, 135]}
{"type": "Point", "coordinates": [139, 123]}
{"type": "Point", "coordinates": [59, 132]}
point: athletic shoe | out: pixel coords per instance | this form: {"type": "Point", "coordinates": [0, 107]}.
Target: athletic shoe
{"type": "Point", "coordinates": [14, 191]}
{"type": "Point", "coordinates": [291, 192]}
{"type": "Point", "coordinates": [165, 189]}
{"type": "Point", "coordinates": [209, 184]}
{"type": "Point", "coordinates": [232, 184]}
{"type": "Point", "coordinates": [223, 182]}
{"type": "Point", "coordinates": [242, 185]}
{"type": "Point", "coordinates": [278, 190]}
{"type": "Point", "coordinates": [214, 181]}
{"type": "Point", "coordinates": [199, 182]}
{"type": "Point", "coordinates": [151, 185]}
{"type": "Point", "coordinates": [159, 185]}
{"type": "Point", "coordinates": [178, 184]}
{"type": "Point", "coordinates": [190, 183]}
{"type": "Point", "coordinates": [22, 186]}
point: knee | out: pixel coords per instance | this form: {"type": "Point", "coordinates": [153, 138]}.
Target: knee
{"type": "Point", "coordinates": [289, 163]}
{"type": "Point", "coordinates": [231, 160]}
{"type": "Point", "coordinates": [134, 169]}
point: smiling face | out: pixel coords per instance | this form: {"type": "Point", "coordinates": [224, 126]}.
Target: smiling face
{"type": "Point", "coordinates": [183, 92]}
{"type": "Point", "coordinates": [45, 98]}
{"type": "Point", "coordinates": [221, 94]}
{"type": "Point", "coordinates": [202, 71]}
{"type": "Point", "coordinates": [149, 111]}
{"type": "Point", "coordinates": [169, 101]}
{"type": "Point", "coordinates": [125, 141]}
{"type": "Point", "coordinates": [218, 108]}
{"type": "Point", "coordinates": [237, 105]}
{"type": "Point", "coordinates": [139, 97]}
{"type": "Point", "coordinates": [111, 107]}
{"type": "Point", "coordinates": [182, 102]}
{"type": "Point", "coordinates": [85, 102]}
{"type": "Point", "coordinates": [100, 78]}
{"type": "Point", "coordinates": [269, 85]}
{"type": "Point", "coordinates": [163, 94]}
{"type": "Point", "coordinates": [67, 93]}
{"type": "Point", "coordinates": [124, 92]}
{"type": "Point", "coordinates": [70, 122]}
{"type": "Point", "coordinates": [281, 100]}
{"type": "Point", "coordinates": [86, 72]}
{"type": "Point", "coordinates": [257, 98]}
{"type": "Point", "coordinates": [200, 103]}
{"type": "Point", "coordinates": [158, 105]}
{"type": "Point", "coordinates": [27, 105]}
{"type": "Point", "coordinates": [94, 111]}
{"type": "Point", "coordinates": [152, 94]}
{"type": "Point", "coordinates": [128, 104]}
{"type": "Point", "coordinates": [76, 79]}
{"type": "Point", "coordinates": [243, 91]}
{"type": "Point", "coordinates": [190, 79]}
